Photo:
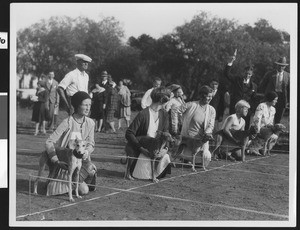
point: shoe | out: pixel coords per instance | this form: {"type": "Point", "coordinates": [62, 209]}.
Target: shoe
{"type": "Point", "coordinates": [231, 158]}
{"type": "Point", "coordinates": [36, 133]}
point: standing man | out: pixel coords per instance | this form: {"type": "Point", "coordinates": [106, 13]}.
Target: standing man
{"type": "Point", "coordinates": [104, 80]}
{"type": "Point", "coordinates": [53, 100]}
{"type": "Point", "coordinates": [217, 102]}
{"type": "Point", "coordinates": [74, 81]}
{"type": "Point", "coordinates": [242, 88]}
{"type": "Point", "coordinates": [277, 80]}
{"type": "Point", "coordinates": [146, 100]}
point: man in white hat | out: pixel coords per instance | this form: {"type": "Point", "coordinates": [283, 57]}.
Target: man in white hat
{"type": "Point", "coordinates": [277, 80]}
{"type": "Point", "coordinates": [74, 81]}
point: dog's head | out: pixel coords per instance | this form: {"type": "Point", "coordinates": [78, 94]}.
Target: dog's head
{"type": "Point", "coordinates": [165, 137]}
{"type": "Point", "coordinates": [78, 146]}
{"type": "Point", "coordinates": [207, 137]}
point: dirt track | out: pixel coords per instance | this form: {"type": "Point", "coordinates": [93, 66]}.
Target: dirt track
{"type": "Point", "coordinates": [254, 190]}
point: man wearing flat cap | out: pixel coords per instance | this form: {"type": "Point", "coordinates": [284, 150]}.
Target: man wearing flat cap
{"type": "Point", "coordinates": [277, 80]}
{"type": "Point", "coordinates": [242, 88]}
{"type": "Point", "coordinates": [74, 81]}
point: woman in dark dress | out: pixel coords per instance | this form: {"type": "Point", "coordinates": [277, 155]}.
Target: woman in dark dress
{"type": "Point", "coordinates": [98, 106]}
{"type": "Point", "coordinates": [39, 112]}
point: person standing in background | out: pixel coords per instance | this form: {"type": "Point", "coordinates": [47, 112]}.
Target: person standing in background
{"type": "Point", "coordinates": [242, 88]}
{"type": "Point", "coordinates": [278, 81]}
{"type": "Point", "coordinates": [53, 100]}
{"type": "Point", "coordinates": [39, 108]}
{"type": "Point", "coordinates": [111, 105]}
{"type": "Point", "coordinates": [124, 110]}
{"type": "Point", "coordinates": [98, 96]}
{"type": "Point", "coordinates": [74, 81]}
{"type": "Point", "coordinates": [217, 102]}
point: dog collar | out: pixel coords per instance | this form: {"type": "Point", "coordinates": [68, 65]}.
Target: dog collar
{"type": "Point", "coordinates": [77, 155]}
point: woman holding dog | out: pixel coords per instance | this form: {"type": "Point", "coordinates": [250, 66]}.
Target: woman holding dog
{"type": "Point", "coordinates": [150, 120]}
{"type": "Point", "coordinates": [198, 119]}
{"type": "Point", "coordinates": [264, 115]}
{"type": "Point", "coordinates": [77, 126]}
{"type": "Point", "coordinates": [265, 111]}
{"type": "Point", "coordinates": [231, 124]}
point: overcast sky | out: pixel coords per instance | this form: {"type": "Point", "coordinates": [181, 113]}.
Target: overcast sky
{"type": "Point", "coordinates": [156, 19]}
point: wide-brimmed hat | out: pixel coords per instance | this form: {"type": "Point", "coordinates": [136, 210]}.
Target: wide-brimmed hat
{"type": "Point", "coordinates": [104, 74]}
{"type": "Point", "coordinates": [83, 57]}
{"type": "Point", "coordinates": [281, 61]}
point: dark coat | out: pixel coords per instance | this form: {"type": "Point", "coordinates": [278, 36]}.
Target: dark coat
{"type": "Point", "coordinates": [218, 103]}
{"type": "Point", "coordinates": [240, 91]}
{"type": "Point", "coordinates": [268, 84]}
{"type": "Point", "coordinates": [140, 124]}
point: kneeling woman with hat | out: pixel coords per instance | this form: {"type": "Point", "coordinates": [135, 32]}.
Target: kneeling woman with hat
{"type": "Point", "coordinates": [77, 126]}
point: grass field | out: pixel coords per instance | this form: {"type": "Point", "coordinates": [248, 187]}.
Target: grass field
{"type": "Point", "coordinates": [256, 190]}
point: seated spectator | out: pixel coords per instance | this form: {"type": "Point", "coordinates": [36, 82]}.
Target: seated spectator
{"type": "Point", "coordinates": [147, 123]}
{"type": "Point", "coordinates": [232, 123]}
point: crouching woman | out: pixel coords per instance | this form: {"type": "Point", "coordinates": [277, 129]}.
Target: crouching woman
{"type": "Point", "coordinates": [231, 124]}
{"type": "Point", "coordinates": [147, 123]}
{"type": "Point", "coordinates": [198, 122]}
{"type": "Point", "coordinates": [77, 126]}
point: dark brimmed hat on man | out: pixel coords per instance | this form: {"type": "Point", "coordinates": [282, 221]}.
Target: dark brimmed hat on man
{"type": "Point", "coordinates": [104, 74]}
{"type": "Point", "coordinates": [282, 61]}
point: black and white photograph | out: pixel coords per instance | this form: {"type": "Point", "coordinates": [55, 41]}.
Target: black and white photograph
{"type": "Point", "coordinates": [153, 114]}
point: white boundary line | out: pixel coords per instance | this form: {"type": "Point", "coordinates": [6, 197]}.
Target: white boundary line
{"type": "Point", "coordinates": [173, 198]}
{"type": "Point", "coordinates": [248, 171]}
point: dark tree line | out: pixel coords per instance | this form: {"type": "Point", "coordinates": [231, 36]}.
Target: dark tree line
{"type": "Point", "coordinates": [192, 54]}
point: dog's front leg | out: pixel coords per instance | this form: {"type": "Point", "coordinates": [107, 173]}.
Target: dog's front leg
{"type": "Point", "coordinates": [154, 179]}
{"type": "Point", "coordinates": [77, 182]}
{"type": "Point", "coordinates": [194, 162]}
{"type": "Point", "coordinates": [70, 173]}
{"type": "Point", "coordinates": [265, 147]}
{"type": "Point", "coordinates": [244, 148]}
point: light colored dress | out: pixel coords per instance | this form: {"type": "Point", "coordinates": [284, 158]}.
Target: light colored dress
{"type": "Point", "coordinates": [142, 169]}
{"type": "Point", "coordinates": [197, 121]}
{"type": "Point", "coordinates": [124, 110]}
{"type": "Point", "coordinates": [67, 131]}
{"type": "Point", "coordinates": [264, 115]}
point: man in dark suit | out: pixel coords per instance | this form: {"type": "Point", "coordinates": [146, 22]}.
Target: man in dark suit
{"type": "Point", "coordinates": [104, 80]}
{"type": "Point", "coordinates": [217, 101]}
{"type": "Point", "coordinates": [242, 87]}
{"type": "Point", "coordinates": [53, 100]}
{"type": "Point", "coordinates": [277, 80]}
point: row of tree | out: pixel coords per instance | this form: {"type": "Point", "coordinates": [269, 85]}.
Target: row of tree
{"type": "Point", "coordinates": [192, 54]}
